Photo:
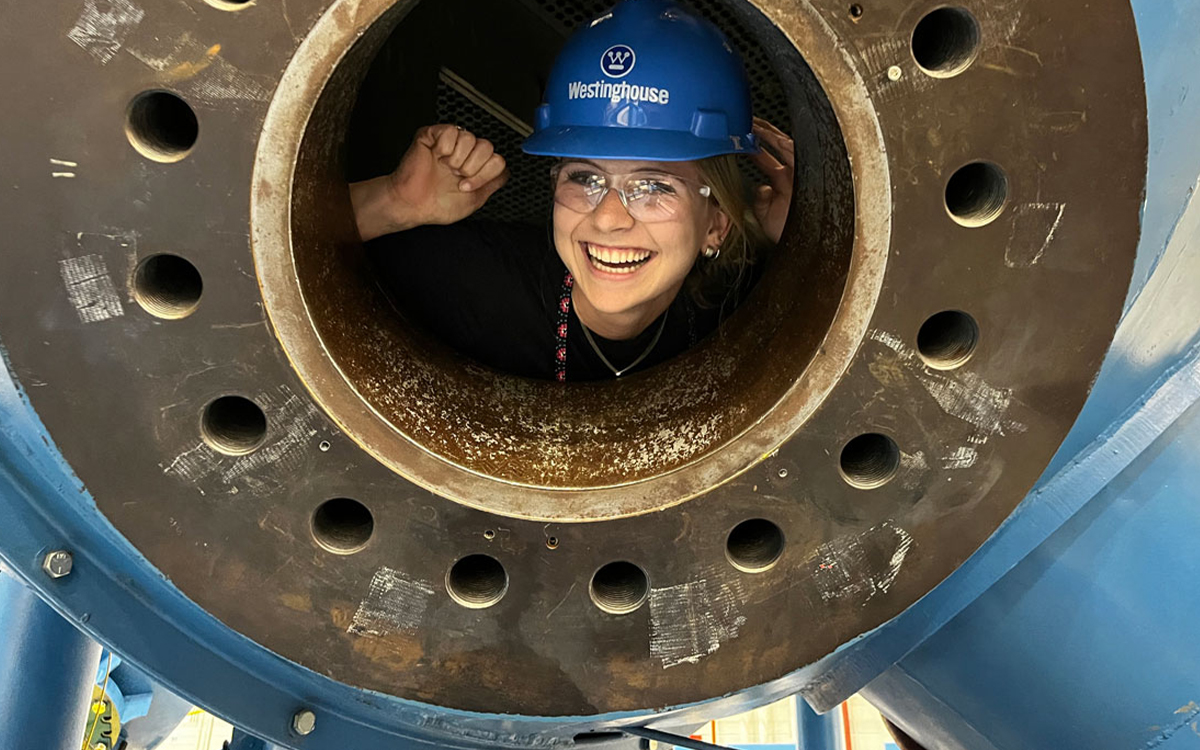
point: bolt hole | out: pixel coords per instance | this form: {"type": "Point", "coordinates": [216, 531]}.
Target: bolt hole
{"type": "Point", "coordinates": [946, 41]}
{"type": "Point", "coordinates": [870, 460]}
{"type": "Point", "coordinates": [594, 738]}
{"type": "Point", "coordinates": [233, 425]}
{"type": "Point", "coordinates": [947, 340]}
{"type": "Point", "coordinates": [167, 286]}
{"type": "Point", "coordinates": [477, 581]}
{"type": "Point", "coordinates": [324, 446]}
{"type": "Point", "coordinates": [230, 5]}
{"type": "Point", "coordinates": [754, 545]}
{"type": "Point", "coordinates": [976, 193]}
{"type": "Point", "coordinates": [489, 535]}
{"type": "Point", "coordinates": [552, 542]}
{"type": "Point", "coordinates": [342, 526]}
{"type": "Point", "coordinates": [619, 587]}
{"type": "Point", "coordinates": [161, 126]}
{"type": "Point", "coordinates": [856, 11]}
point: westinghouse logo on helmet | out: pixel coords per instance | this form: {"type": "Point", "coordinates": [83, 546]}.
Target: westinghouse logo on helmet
{"type": "Point", "coordinates": [617, 92]}
{"type": "Point", "coordinates": [617, 61]}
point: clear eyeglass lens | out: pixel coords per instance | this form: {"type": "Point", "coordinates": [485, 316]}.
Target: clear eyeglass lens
{"type": "Point", "coordinates": [647, 198]}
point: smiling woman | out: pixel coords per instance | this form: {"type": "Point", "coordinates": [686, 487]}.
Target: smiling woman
{"type": "Point", "coordinates": [654, 235]}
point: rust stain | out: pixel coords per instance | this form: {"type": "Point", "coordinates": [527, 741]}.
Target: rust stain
{"type": "Point", "coordinates": [300, 602]}
{"type": "Point", "coordinates": [191, 68]}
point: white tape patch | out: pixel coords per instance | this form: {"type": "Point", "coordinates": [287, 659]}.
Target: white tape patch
{"type": "Point", "coordinates": [394, 603]}
{"type": "Point", "coordinates": [291, 422]}
{"type": "Point", "coordinates": [862, 565]}
{"type": "Point", "coordinates": [90, 288]}
{"type": "Point", "coordinates": [964, 395]}
{"type": "Point", "coordinates": [103, 26]}
{"type": "Point", "coordinates": [689, 621]}
{"type": "Point", "coordinates": [963, 457]}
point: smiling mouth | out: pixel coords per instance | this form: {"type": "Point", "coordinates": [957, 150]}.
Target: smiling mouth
{"type": "Point", "coordinates": [616, 259]}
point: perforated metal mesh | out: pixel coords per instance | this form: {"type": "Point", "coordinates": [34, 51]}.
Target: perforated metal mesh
{"type": "Point", "coordinates": [527, 197]}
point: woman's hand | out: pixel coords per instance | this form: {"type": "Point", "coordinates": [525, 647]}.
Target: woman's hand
{"type": "Point", "coordinates": [446, 175]}
{"type": "Point", "coordinates": [773, 200]}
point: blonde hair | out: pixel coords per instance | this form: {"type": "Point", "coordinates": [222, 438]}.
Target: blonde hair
{"type": "Point", "coordinates": [717, 282]}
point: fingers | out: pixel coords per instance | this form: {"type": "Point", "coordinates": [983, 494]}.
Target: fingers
{"type": "Point", "coordinates": [492, 168]}
{"type": "Point", "coordinates": [492, 186]}
{"type": "Point", "coordinates": [479, 155]}
{"type": "Point", "coordinates": [777, 140]}
{"type": "Point", "coordinates": [779, 176]}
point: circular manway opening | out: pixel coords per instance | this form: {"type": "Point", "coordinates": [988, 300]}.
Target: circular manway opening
{"type": "Point", "coordinates": [947, 340]}
{"type": "Point", "coordinates": [233, 425]}
{"type": "Point", "coordinates": [976, 193]}
{"type": "Point", "coordinates": [870, 460]}
{"type": "Point", "coordinates": [342, 525]}
{"type": "Point", "coordinates": [161, 126]}
{"type": "Point", "coordinates": [946, 41]}
{"type": "Point", "coordinates": [167, 286]}
{"type": "Point", "coordinates": [619, 587]}
{"type": "Point", "coordinates": [523, 432]}
{"type": "Point", "coordinates": [754, 545]}
{"type": "Point", "coordinates": [477, 581]}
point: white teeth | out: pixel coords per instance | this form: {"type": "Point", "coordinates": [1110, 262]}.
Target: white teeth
{"type": "Point", "coordinates": [599, 254]}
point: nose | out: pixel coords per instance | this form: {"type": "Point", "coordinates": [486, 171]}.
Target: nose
{"type": "Point", "coordinates": [611, 214]}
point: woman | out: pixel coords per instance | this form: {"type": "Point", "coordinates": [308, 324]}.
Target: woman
{"type": "Point", "coordinates": [646, 109]}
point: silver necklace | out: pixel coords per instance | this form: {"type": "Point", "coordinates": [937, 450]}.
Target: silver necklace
{"type": "Point", "coordinates": [618, 373]}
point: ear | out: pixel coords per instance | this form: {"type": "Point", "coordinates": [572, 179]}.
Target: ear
{"type": "Point", "coordinates": [719, 225]}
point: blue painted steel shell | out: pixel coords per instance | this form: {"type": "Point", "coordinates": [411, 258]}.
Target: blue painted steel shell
{"type": "Point", "coordinates": [46, 667]}
{"type": "Point", "coordinates": [1072, 627]}
{"type": "Point", "coordinates": [646, 81]}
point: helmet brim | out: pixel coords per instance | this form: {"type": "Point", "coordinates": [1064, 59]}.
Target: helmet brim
{"type": "Point", "coordinates": [631, 144]}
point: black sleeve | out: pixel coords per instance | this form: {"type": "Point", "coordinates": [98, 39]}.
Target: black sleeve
{"type": "Point", "coordinates": [476, 285]}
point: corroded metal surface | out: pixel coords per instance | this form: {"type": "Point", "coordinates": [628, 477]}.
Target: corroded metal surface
{"type": "Point", "coordinates": [452, 460]}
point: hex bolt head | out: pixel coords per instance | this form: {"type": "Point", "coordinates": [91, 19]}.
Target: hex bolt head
{"type": "Point", "coordinates": [304, 722]}
{"type": "Point", "coordinates": [58, 563]}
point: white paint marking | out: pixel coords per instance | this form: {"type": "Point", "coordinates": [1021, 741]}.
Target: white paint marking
{"type": "Point", "coordinates": [62, 174]}
{"type": "Point", "coordinates": [63, 163]}
{"type": "Point", "coordinates": [963, 457]}
{"type": "Point", "coordinates": [103, 26]}
{"type": "Point", "coordinates": [1033, 228]}
{"type": "Point", "coordinates": [689, 621]}
{"type": "Point", "coordinates": [853, 566]}
{"type": "Point", "coordinates": [394, 603]}
{"type": "Point", "coordinates": [963, 394]}
{"type": "Point", "coordinates": [90, 289]}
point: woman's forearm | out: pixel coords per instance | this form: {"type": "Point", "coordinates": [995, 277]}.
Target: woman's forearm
{"type": "Point", "coordinates": [377, 211]}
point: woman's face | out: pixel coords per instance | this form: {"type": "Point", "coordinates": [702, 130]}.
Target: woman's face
{"type": "Point", "coordinates": [621, 264]}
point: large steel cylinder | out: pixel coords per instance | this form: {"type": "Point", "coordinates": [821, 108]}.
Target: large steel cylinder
{"type": "Point", "coordinates": [282, 496]}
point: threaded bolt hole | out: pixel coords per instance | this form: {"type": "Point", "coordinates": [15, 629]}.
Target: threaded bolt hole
{"type": "Point", "coordinates": [856, 11]}
{"type": "Point", "coordinates": [946, 41]}
{"type": "Point", "coordinates": [161, 126]}
{"type": "Point", "coordinates": [619, 587]}
{"type": "Point", "coordinates": [477, 581]}
{"type": "Point", "coordinates": [948, 339]}
{"type": "Point", "coordinates": [976, 193]}
{"type": "Point", "coordinates": [233, 425]}
{"type": "Point", "coordinates": [167, 286]}
{"type": "Point", "coordinates": [870, 460]}
{"type": "Point", "coordinates": [342, 526]}
{"type": "Point", "coordinates": [754, 545]}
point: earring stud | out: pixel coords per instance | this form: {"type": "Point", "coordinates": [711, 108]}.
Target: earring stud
{"type": "Point", "coordinates": [711, 252]}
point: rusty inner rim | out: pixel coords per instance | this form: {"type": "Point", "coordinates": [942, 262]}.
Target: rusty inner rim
{"type": "Point", "coordinates": [543, 450]}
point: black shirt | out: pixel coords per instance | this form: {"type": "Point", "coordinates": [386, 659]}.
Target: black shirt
{"type": "Point", "coordinates": [493, 291]}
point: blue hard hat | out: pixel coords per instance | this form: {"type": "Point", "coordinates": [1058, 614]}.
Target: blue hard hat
{"type": "Point", "coordinates": [647, 80]}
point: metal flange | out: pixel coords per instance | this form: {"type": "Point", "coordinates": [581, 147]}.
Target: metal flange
{"type": "Point", "coordinates": [185, 303]}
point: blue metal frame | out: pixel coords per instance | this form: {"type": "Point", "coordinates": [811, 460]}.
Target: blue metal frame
{"type": "Point", "coordinates": [1087, 590]}
{"type": "Point", "coordinates": [46, 670]}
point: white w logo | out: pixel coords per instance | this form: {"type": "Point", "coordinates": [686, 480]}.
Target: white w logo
{"type": "Point", "coordinates": [616, 60]}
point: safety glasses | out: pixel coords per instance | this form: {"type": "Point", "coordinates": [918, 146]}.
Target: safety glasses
{"type": "Point", "coordinates": [647, 196]}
